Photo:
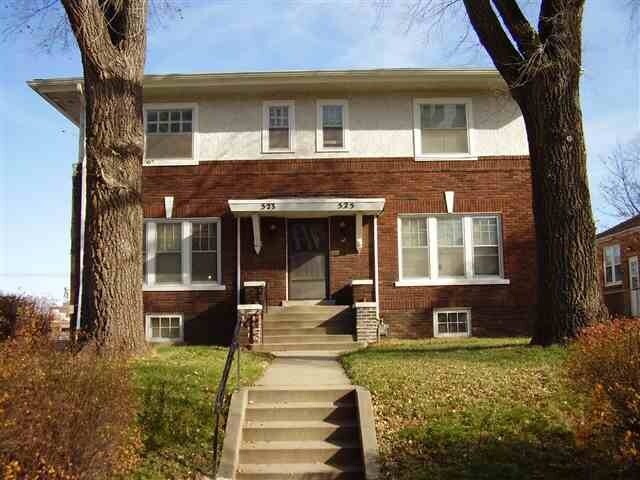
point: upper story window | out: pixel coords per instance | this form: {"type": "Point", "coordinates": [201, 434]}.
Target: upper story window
{"type": "Point", "coordinates": [170, 134]}
{"type": "Point", "coordinates": [182, 254]}
{"type": "Point", "coordinates": [332, 131]}
{"type": "Point", "coordinates": [612, 265]}
{"type": "Point", "coordinates": [442, 128]}
{"type": "Point", "coordinates": [278, 119]}
{"type": "Point", "coordinates": [442, 249]}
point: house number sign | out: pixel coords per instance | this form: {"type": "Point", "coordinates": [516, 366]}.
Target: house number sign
{"type": "Point", "coordinates": [268, 206]}
{"type": "Point", "coordinates": [346, 206]}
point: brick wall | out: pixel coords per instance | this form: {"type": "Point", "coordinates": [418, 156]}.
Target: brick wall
{"type": "Point", "coordinates": [617, 297]}
{"type": "Point", "coordinates": [490, 184]}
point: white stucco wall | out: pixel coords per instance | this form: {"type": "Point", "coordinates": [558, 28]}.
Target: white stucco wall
{"type": "Point", "coordinates": [381, 125]}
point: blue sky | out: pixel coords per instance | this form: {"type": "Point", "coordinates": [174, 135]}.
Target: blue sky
{"type": "Point", "coordinates": [38, 146]}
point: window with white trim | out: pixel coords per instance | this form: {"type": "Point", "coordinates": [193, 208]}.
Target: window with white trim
{"type": "Point", "coordinates": [415, 247]}
{"type": "Point", "coordinates": [169, 133]}
{"type": "Point", "coordinates": [332, 131]}
{"type": "Point", "coordinates": [278, 126]}
{"type": "Point", "coordinates": [455, 248]}
{"type": "Point", "coordinates": [612, 265]}
{"type": "Point", "coordinates": [164, 327]}
{"type": "Point", "coordinates": [182, 254]}
{"type": "Point", "coordinates": [442, 127]}
{"type": "Point", "coordinates": [452, 322]}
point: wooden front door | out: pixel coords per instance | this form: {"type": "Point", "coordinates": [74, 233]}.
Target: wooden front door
{"type": "Point", "coordinates": [308, 247]}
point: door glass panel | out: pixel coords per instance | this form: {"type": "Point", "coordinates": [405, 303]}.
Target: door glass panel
{"type": "Point", "coordinates": [308, 244]}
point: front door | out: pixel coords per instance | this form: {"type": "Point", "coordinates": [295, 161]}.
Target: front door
{"type": "Point", "coordinates": [634, 286]}
{"type": "Point", "coordinates": [308, 246]}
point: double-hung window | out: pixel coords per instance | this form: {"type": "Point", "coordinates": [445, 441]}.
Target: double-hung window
{"type": "Point", "coordinates": [182, 254]}
{"type": "Point", "coordinates": [612, 265]}
{"type": "Point", "coordinates": [442, 128]}
{"type": "Point", "coordinates": [450, 249]}
{"type": "Point", "coordinates": [170, 134]}
{"type": "Point", "coordinates": [332, 133]}
{"type": "Point", "coordinates": [278, 130]}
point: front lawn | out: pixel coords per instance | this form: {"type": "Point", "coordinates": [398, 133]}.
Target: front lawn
{"type": "Point", "coordinates": [177, 385]}
{"type": "Point", "coordinates": [472, 408]}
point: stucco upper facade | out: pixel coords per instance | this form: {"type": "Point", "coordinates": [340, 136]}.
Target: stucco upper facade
{"type": "Point", "coordinates": [379, 125]}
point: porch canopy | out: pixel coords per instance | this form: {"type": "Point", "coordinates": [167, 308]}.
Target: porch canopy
{"type": "Point", "coordinates": [306, 208]}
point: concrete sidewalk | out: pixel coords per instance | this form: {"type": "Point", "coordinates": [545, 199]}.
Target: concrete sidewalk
{"type": "Point", "coordinates": [308, 368]}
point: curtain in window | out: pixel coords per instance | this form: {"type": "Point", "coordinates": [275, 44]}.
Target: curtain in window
{"type": "Point", "coordinates": [450, 247]}
{"type": "Point", "coordinates": [444, 128]}
{"type": "Point", "coordinates": [415, 248]}
{"type": "Point", "coordinates": [169, 253]}
{"type": "Point", "coordinates": [332, 126]}
{"type": "Point", "coordinates": [279, 127]}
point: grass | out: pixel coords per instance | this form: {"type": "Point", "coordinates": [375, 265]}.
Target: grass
{"type": "Point", "coordinates": [472, 408]}
{"type": "Point", "coordinates": [177, 385]}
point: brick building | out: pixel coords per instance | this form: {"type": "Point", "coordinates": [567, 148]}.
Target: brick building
{"type": "Point", "coordinates": [405, 192]}
{"type": "Point", "coordinates": [618, 252]}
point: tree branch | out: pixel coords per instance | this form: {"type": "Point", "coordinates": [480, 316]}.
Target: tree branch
{"type": "Point", "coordinates": [519, 27]}
{"type": "Point", "coordinates": [495, 40]}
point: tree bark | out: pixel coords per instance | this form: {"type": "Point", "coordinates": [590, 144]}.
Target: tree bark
{"type": "Point", "coordinates": [543, 75]}
{"type": "Point", "coordinates": [112, 43]}
{"type": "Point", "coordinates": [568, 293]}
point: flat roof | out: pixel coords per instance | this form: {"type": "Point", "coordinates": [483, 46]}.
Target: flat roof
{"type": "Point", "coordinates": [64, 94]}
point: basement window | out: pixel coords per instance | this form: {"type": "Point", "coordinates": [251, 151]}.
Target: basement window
{"type": "Point", "coordinates": [164, 328]}
{"type": "Point", "coordinates": [452, 322]}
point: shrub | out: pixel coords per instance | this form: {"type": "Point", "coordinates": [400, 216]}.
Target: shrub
{"type": "Point", "coordinates": [24, 316]}
{"type": "Point", "coordinates": [604, 364]}
{"type": "Point", "coordinates": [64, 415]}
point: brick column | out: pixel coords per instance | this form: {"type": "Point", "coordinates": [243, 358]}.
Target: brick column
{"type": "Point", "coordinates": [251, 317]}
{"type": "Point", "coordinates": [362, 290]}
{"type": "Point", "coordinates": [366, 322]}
{"type": "Point", "coordinates": [255, 293]}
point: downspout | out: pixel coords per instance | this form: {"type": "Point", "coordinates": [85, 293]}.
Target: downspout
{"type": "Point", "coordinates": [237, 260]}
{"type": "Point", "coordinates": [375, 266]}
{"type": "Point", "coordinates": [82, 157]}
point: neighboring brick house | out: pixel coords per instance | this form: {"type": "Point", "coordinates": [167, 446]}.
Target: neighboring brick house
{"type": "Point", "coordinates": [618, 252]}
{"type": "Point", "coordinates": [408, 189]}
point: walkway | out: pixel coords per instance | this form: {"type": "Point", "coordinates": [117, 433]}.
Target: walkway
{"type": "Point", "coordinates": [294, 369]}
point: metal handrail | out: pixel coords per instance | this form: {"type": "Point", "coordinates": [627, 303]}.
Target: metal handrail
{"type": "Point", "coordinates": [221, 400]}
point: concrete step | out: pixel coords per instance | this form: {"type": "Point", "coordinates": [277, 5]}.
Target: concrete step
{"type": "Point", "coordinates": [331, 453]}
{"type": "Point", "coordinates": [311, 395]}
{"type": "Point", "coordinates": [305, 338]}
{"type": "Point", "coordinates": [317, 411]}
{"type": "Point", "coordinates": [306, 329]}
{"type": "Point", "coordinates": [299, 471]}
{"type": "Point", "coordinates": [346, 430]}
{"type": "Point", "coordinates": [304, 322]}
{"type": "Point", "coordinates": [324, 346]}
{"type": "Point", "coordinates": [324, 309]}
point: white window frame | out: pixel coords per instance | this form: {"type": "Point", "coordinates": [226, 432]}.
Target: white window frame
{"type": "Point", "coordinates": [616, 280]}
{"type": "Point", "coordinates": [437, 334]}
{"type": "Point", "coordinates": [345, 125]}
{"type": "Point", "coordinates": [467, 227]}
{"type": "Point", "coordinates": [148, 331]}
{"type": "Point", "coordinates": [265, 125]}
{"type": "Point", "coordinates": [417, 129]}
{"type": "Point", "coordinates": [150, 284]}
{"type": "Point", "coordinates": [195, 128]}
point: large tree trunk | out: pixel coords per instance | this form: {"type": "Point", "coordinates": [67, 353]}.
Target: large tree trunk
{"type": "Point", "coordinates": [568, 292]}
{"type": "Point", "coordinates": [111, 37]}
{"type": "Point", "coordinates": [542, 70]}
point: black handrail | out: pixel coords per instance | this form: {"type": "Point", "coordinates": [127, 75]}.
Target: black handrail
{"type": "Point", "coordinates": [220, 405]}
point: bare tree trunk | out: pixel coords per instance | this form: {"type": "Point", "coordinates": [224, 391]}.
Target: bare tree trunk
{"type": "Point", "coordinates": [542, 70]}
{"type": "Point", "coordinates": [568, 294]}
{"type": "Point", "coordinates": [111, 37]}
